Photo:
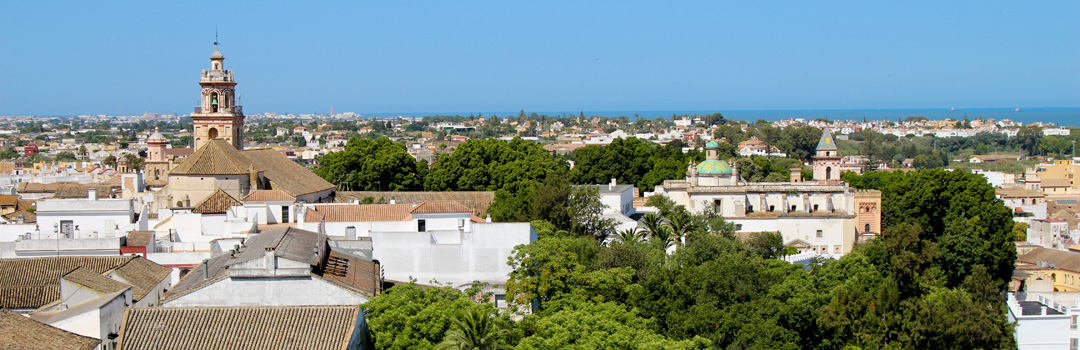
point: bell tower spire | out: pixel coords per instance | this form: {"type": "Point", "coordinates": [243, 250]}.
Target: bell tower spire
{"type": "Point", "coordinates": [218, 115]}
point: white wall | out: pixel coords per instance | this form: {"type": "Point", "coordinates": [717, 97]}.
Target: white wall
{"type": "Point", "coordinates": [481, 254]}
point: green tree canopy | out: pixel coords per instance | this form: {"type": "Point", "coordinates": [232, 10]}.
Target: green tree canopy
{"type": "Point", "coordinates": [371, 165]}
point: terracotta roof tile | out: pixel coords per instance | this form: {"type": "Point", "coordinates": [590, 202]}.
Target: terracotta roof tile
{"type": "Point", "coordinates": [440, 207]}
{"type": "Point", "coordinates": [358, 212]}
{"type": "Point", "coordinates": [8, 200]}
{"type": "Point", "coordinates": [33, 282]}
{"type": "Point", "coordinates": [27, 217]}
{"type": "Point", "coordinates": [284, 327]}
{"type": "Point", "coordinates": [268, 195]}
{"type": "Point", "coordinates": [94, 281]}
{"type": "Point", "coordinates": [140, 238]}
{"type": "Point", "coordinates": [1061, 259]}
{"type": "Point", "coordinates": [478, 201]}
{"type": "Point", "coordinates": [143, 275]}
{"type": "Point", "coordinates": [216, 157]}
{"type": "Point", "coordinates": [285, 174]}
{"type": "Point", "coordinates": [219, 157]}
{"type": "Point", "coordinates": [218, 202]}
{"type": "Point", "coordinates": [21, 332]}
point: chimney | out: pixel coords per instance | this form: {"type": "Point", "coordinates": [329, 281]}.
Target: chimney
{"type": "Point", "coordinates": [612, 185]}
{"type": "Point", "coordinates": [488, 218]}
{"type": "Point", "coordinates": [268, 259]}
{"type": "Point", "coordinates": [206, 269]}
{"type": "Point", "coordinates": [350, 233]}
{"type": "Point", "coordinates": [91, 193]}
{"type": "Point", "coordinates": [393, 200]}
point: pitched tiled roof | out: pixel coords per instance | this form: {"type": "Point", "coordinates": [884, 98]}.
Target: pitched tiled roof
{"type": "Point", "coordinates": [27, 217]}
{"type": "Point", "coordinates": [140, 238]}
{"type": "Point", "coordinates": [83, 191]}
{"type": "Point", "coordinates": [358, 212]}
{"type": "Point", "coordinates": [216, 203]}
{"type": "Point", "coordinates": [21, 332]}
{"type": "Point", "coordinates": [143, 275]}
{"type": "Point", "coordinates": [290, 242]}
{"type": "Point", "coordinates": [219, 157]}
{"type": "Point", "coordinates": [287, 327]}
{"type": "Point", "coordinates": [268, 195]}
{"type": "Point", "coordinates": [477, 200]}
{"type": "Point", "coordinates": [440, 207]}
{"type": "Point", "coordinates": [285, 174]}
{"type": "Point", "coordinates": [1060, 259]}
{"type": "Point", "coordinates": [94, 281]}
{"type": "Point", "coordinates": [8, 200]}
{"type": "Point", "coordinates": [216, 157]}
{"type": "Point", "coordinates": [32, 282]}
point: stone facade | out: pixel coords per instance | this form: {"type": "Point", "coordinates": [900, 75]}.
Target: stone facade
{"type": "Point", "coordinates": [218, 115]}
{"type": "Point", "coordinates": [824, 216]}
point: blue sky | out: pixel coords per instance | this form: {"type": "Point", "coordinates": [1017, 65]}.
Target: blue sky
{"type": "Point", "coordinates": [471, 56]}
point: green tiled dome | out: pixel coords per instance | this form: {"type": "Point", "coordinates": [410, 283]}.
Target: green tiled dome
{"type": "Point", "coordinates": [712, 144]}
{"type": "Point", "coordinates": [713, 167]}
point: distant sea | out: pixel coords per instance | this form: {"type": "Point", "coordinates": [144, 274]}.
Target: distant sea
{"type": "Point", "coordinates": [1061, 116]}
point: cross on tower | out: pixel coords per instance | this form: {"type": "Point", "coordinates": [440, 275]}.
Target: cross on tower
{"type": "Point", "coordinates": [215, 38]}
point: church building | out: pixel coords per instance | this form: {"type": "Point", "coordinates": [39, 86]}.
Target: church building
{"type": "Point", "coordinates": [824, 216]}
{"type": "Point", "coordinates": [220, 161]}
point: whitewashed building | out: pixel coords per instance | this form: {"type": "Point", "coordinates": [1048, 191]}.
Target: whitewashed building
{"type": "Point", "coordinates": [283, 267]}
{"type": "Point", "coordinates": [824, 216]}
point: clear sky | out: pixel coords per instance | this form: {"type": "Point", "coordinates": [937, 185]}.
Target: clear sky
{"type": "Point", "coordinates": [91, 57]}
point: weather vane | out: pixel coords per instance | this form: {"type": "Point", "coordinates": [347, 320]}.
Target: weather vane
{"type": "Point", "coordinates": [215, 38]}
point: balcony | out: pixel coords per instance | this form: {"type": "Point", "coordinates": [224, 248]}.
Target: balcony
{"type": "Point", "coordinates": [234, 110]}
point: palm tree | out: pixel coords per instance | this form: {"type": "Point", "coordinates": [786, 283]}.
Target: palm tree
{"type": "Point", "coordinates": [681, 226]}
{"type": "Point", "coordinates": [630, 235]}
{"type": "Point", "coordinates": [652, 222]}
{"type": "Point", "coordinates": [473, 328]}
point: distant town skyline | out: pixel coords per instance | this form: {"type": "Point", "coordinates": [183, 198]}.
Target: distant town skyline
{"type": "Point", "coordinates": [127, 58]}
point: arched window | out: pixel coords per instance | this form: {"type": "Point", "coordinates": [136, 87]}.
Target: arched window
{"type": "Point", "coordinates": [212, 133]}
{"type": "Point", "coordinates": [214, 102]}
{"type": "Point", "coordinates": [867, 228]}
{"type": "Point", "coordinates": [828, 170]}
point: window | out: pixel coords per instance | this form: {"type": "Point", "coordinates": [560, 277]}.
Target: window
{"type": "Point", "coordinates": [867, 228]}
{"type": "Point", "coordinates": [815, 207]}
{"type": "Point", "coordinates": [284, 213]}
{"type": "Point", "coordinates": [750, 209]}
{"type": "Point", "coordinates": [738, 227]}
{"type": "Point", "coordinates": [772, 208]}
{"type": "Point", "coordinates": [717, 206]}
{"type": "Point", "coordinates": [421, 225]}
{"type": "Point", "coordinates": [793, 208]}
{"type": "Point", "coordinates": [819, 234]}
{"type": "Point", "coordinates": [67, 227]}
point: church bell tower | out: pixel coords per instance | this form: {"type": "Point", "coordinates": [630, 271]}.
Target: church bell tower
{"type": "Point", "coordinates": [218, 116]}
